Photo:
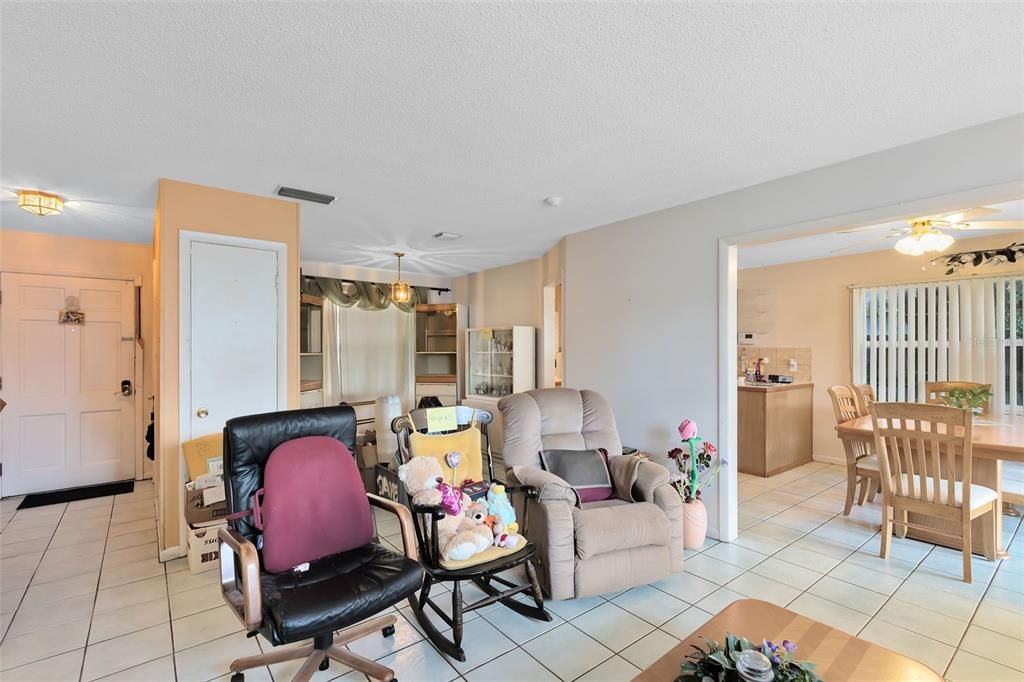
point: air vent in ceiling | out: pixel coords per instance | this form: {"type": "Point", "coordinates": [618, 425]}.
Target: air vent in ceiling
{"type": "Point", "coordinates": [450, 236]}
{"type": "Point", "coordinates": [304, 195]}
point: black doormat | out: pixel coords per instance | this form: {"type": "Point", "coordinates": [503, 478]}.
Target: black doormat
{"type": "Point", "coordinates": [72, 494]}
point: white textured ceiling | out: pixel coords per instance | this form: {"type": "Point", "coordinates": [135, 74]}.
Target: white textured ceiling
{"type": "Point", "coordinates": [867, 239]}
{"type": "Point", "coordinates": [462, 117]}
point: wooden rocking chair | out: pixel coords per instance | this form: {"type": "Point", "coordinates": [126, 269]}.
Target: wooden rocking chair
{"type": "Point", "coordinates": [485, 574]}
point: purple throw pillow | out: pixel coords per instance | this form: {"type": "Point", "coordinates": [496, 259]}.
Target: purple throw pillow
{"type": "Point", "coordinates": [585, 470]}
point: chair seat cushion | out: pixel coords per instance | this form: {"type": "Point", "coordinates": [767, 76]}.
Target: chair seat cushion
{"type": "Point", "coordinates": [980, 495]}
{"type": "Point", "coordinates": [604, 527]}
{"type": "Point", "coordinates": [337, 591]}
{"type": "Point", "coordinates": [870, 463]}
{"type": "Point", "coordinates": [489, 554]}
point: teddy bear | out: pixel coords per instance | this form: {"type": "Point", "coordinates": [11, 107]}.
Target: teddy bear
{"type": "Point", "coordinates": [458, 536]}
{"type": "Point", "coordinates": [499, 505]}
{"type": "Point", "coordinates": [479, 514]}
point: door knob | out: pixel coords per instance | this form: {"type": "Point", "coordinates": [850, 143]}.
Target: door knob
{"type": "Point", "coordinates": [202, 412]}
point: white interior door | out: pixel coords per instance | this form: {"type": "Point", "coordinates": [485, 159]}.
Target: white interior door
{"type": "Point", "coordinates": [66, 423]}
{"type": "Point", "coordinates": [234, 344]}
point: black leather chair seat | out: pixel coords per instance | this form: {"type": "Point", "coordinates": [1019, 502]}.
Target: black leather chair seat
{"type": "Point", "coordinates": [336, 591]}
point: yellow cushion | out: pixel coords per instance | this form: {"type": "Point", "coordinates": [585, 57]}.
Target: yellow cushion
{"type": "Point", "coordinates": [199, 451]}
{"type": "Point", "coordinates": [489, 554]}
{"type": "Point", "coordinates": [467, 443]}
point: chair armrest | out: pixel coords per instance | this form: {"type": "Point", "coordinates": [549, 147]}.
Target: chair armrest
{"type": "Point", "coordinates": [649, 477]}
{"type": "Point", "coordinates": [246, 601]}
{"type": "Point", "coordinates": [548, 487]}
{"type": "Point", "coordinates": [405, 522]}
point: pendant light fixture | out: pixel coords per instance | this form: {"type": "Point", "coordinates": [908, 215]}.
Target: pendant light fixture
{"type": "Point", "coordinates": [401, 292]}
{"type": "Point", "coordinates": [40, 203]}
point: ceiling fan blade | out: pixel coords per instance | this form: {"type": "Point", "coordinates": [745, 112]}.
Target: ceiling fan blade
{"type": "Point", "coordinates": [861, 230]}
{"type": "Point", "coordinates": [963, 215]}
{"type": "Point", "coordinates": [990, 225]}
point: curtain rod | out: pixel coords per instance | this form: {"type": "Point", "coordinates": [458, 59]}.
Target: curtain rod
{"type": "Point", "coordinates": [440, 290]}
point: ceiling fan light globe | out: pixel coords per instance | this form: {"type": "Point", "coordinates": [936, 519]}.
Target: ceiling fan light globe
{"type": "Point", "coordinates": [943, 241]}
{"type": "Point", "coordinates": [909, 246]}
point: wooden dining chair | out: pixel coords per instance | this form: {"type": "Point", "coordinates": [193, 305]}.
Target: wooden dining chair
{"type": "Point", "coordinates": [861, 464]}
{"type": "Point", "coordinates": [918, 444]}
{"type": "Point", "coordinates": [935, 391]}
{"type": "Point", "coordinates": [865, 394]}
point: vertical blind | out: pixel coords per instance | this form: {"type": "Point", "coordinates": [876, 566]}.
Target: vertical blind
{"type": "Point", "coordinates": [964, 330]}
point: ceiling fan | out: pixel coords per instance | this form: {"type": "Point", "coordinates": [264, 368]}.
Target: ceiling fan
{"type": "Point", "coordinates": [932, 233]}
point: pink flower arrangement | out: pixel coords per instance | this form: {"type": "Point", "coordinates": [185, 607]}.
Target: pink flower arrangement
{"type": "Point", "coordinates": [695, 465]}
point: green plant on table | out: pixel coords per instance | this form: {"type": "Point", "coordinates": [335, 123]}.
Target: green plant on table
{"type": "Point", "coordinates": [968, 398]}
{"type": "Point", "coordinates": [718, 663]}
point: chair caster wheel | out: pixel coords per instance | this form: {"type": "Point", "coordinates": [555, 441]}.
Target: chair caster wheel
{"type": "Point", "coordinates": [238, 677]}
{"type": "Point", "coordinates": [324, 664]}
{"type": "Point", "coordinates": [389, 631]}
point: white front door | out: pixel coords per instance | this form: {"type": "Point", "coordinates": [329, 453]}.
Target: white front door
{"type": "Point", "coordinates": [66, 423]}
{"type": "Point", "coordinates": [234, 353]}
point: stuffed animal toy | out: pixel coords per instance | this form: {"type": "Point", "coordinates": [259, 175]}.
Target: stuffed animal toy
{"type": "Point", "coordinates": [501, 508]}
{"type": "Point", "coordinates": [457, 535]}
{"type": "Point", "coordinates": [484, 522]}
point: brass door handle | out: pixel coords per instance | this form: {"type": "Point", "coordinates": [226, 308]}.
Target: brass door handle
{"type": "Point", "coordinates": [202, 412]}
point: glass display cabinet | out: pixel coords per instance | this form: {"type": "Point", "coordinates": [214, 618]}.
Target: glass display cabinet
{"type": "Point", "coordinates": [500, 361]}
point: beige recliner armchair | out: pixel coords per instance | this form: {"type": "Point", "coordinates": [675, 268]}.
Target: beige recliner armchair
{"type": "Point", "coordinates": [598, 547]}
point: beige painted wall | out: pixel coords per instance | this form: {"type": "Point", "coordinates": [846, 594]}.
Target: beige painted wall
{"type": "Point", "coordinates": [512, 294]}
{"type": "Point", "coordinates": [53, 254]}
{"type": "Point", "coordinates": [808, 304]}
{"type": "Point", "coordinates": [184, 206]}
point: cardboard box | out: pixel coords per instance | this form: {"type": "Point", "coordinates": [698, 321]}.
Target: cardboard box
{"type": "Point", "coordinates": [369, 477]}
{"type": "Point", "coordinates": [366, 455]}
{"type": "Point", "coordinates": [204, 455]}
{"type": "Point", "coordinates": [388, 485]}
{"type": "Point", "coordinates": [203, 548]}
{"type": "Point", "coordinates": [198, 512]}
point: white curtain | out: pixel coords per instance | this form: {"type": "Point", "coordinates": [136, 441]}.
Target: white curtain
{"type": "Point", "coordinates": [369, 353]}
{"type": "Point", "coordinates": [962, 330]}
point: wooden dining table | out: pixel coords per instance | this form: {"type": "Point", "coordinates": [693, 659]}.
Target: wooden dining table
{"type": "Point", "coordinates": [995, 440]}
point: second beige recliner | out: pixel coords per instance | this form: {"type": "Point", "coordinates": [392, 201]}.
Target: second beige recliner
{"type": "Point", "coordinates": [598, 547]}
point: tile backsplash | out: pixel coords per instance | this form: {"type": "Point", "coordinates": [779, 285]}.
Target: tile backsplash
{"type": "Point", "coordinates": [778, 361]}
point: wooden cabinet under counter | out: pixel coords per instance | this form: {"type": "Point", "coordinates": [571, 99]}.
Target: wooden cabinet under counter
{"type": "Point", "coordinates": [775, 427]}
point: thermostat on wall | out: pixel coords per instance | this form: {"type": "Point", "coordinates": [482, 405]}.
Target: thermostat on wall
{"type": "Point", "coordinates": [746, 338]}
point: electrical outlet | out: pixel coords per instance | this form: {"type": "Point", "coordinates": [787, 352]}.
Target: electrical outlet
{"type": "Point", "coordinates": [792, 364]}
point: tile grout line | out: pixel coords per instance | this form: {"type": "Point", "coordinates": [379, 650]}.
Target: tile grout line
{"type": "Point", "coordinates": [974, 614]}
{"type": "Point", "coordinates": [96, 592]}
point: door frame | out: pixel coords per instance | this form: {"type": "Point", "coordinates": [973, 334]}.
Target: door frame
{"type": "Point", "coordinates": [728, 251]}
{"type": "Point", "coordinates": [185, 240]}
{"type": "Point", "coordinates": [138, 364]}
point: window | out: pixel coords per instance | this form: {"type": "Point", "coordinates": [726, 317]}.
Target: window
{"type": "Point", "coordinates": [964, 330]}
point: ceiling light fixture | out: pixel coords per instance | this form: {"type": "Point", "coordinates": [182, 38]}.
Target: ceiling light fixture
{"type": "Point", "coordinates": [924, 238]}
{"type": "Point", "coordinates": [40, 203]}
{"type": "Point", "coordinates": [448, 236]}
{"type": "Point", "coordinates": [553, 202]}
{"type": "Point", "coordinates": [401, 292]}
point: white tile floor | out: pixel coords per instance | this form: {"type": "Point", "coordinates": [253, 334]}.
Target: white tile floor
{"type": "Point", "coordinates": [82, 597]}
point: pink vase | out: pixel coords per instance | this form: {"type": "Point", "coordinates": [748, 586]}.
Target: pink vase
{"type": "Point", "coordinates": [695, 524]}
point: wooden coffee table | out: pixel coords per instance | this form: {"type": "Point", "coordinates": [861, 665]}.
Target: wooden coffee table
{"type": "Point", "coordinates": [839, 657]}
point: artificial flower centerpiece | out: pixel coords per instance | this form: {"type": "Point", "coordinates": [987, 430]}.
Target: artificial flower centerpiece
{"type": "Point", "coordinates": [741, 659]}
{"type": "Point", "coordinates": [696, 462]}
{"type": "Point", "coordinates": [696, 467]}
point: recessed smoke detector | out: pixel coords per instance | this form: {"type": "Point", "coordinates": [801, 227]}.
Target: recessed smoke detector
{"type": "Point", "coordinates": [447, 236]}
{"type": "Point", "coordinates": [554, 202]}
{"type": "Point", "coordinates": [304, 195]}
